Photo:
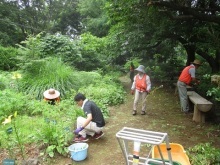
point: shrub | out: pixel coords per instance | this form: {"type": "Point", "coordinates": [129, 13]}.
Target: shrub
{"type": "Point", "coordinates": [8, 59]}
{"type": "Point", "coordinates": [105, 93]}
{"type": "Point", "coordinates": [11, 101]}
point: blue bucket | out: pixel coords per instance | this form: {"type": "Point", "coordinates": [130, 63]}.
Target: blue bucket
{"type": "Point", "coordinates": [78, 151]}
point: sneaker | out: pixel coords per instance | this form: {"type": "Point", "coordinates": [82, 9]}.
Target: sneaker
{"type": "Point", "coordinates": [134, 112]}
{"type": "Point", "coordinates": [80, 139]}
{"type": "Point", "coordinates": [98, 135]}
{"type": "Point", "coordinates": [143, 113]}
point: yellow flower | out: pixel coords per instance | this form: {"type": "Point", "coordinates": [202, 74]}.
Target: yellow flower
{"type": "Point", "coordinates": [15, 114]}
{"type": "Point", "coordinates": [16, 75]}
{"type": "Point", "coordinates": [7, 120]}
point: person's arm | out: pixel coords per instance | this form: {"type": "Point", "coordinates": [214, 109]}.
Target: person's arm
{"type": "Point", "coordinates": [148, 83]}
{"type": "Point", "coordinates": [88, 120]}
{"type": "Point", "coordinates": [192, 72]}
{"type": "Point", "coordinates": [195, 81]}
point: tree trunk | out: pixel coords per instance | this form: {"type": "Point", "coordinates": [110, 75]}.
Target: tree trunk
{"type": "Point", "coordinates": [213, 62]}
{"type": "Point", "coordinates": [190, 54]}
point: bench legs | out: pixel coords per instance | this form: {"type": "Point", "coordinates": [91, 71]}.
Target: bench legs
{"type": "Point", "coordinates": [198, 116]}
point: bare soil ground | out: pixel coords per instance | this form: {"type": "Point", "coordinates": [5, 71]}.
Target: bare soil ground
{"type": "Point", "coordinates": [163, 115]}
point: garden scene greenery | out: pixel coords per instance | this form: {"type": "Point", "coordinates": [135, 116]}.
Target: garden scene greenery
{"type": "Point", "coordinates": [85, 47]}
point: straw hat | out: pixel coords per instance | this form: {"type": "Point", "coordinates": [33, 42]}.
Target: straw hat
{"type": "Point", "coordinates": [141, 68]}
{"type": "Point", "coordinates": [51, 93]}
{"type": "Point", "coordinates": [197, 62]}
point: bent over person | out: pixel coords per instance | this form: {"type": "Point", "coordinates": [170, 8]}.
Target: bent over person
{"type": "Point", "coordinates": [141, 87]}
{"type": "Point", "coordinates": [93, 123]}
{"type": "Point", "coordinates": [52, 96]}
{"type": "Point", "coordinates": [186, 77]}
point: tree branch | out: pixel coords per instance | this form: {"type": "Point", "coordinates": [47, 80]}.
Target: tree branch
{"type": "Point", "coordinates": [185, 12]}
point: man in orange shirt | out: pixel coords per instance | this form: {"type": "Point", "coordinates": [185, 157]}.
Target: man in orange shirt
{"type": "Point", "coordinates": [186, 77]}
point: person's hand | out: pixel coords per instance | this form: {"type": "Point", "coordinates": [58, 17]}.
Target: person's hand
{"type": "Point", "coordinates": [78, 130]}
{"type": "Point", "coordinates": [132, 92]}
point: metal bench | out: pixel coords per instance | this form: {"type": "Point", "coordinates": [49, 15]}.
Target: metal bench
{"type": "Point", "coordinates": [201, 105]}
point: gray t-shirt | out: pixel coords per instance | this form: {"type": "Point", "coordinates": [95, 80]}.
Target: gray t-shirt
{"type": "Point", "coordinates": [192, 72]}
{"type": "Point", "coordinates": [91, 108]}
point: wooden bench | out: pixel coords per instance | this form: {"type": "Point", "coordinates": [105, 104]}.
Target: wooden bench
{"type": "Point", "coordinates": [201, 105]}
{"type": "Point", "coordinates": [189, 88]}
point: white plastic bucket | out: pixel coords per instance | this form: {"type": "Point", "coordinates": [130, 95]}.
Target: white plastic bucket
{"type": "Point", "coordinates": [78, 151]}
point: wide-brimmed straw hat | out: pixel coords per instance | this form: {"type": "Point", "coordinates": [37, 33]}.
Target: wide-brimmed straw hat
{"type": "Point", "coordinates": [141, 68]}
{"type": "Point", "coordinates": [51, 93]}
{"type": "Point", "coordinates": [197, 62]}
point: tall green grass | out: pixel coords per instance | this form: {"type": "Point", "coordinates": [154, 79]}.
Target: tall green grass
{"type": "Point", "coordinates": [40, 75]}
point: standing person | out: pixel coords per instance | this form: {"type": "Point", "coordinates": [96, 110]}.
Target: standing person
{"type": "Point", "coordinates": [93, 123]}
{"type": "Point", "coordinates": [132, 72]}
{"type": "Point", "coordinates": [52, 96]}
{"type": "Point", "coordinates": [141, 87]}
{"type": "Point", "coordinates": [186, 77]}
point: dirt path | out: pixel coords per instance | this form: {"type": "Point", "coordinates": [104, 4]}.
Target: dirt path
{"type": "Point", "coordinates": [163, 115]}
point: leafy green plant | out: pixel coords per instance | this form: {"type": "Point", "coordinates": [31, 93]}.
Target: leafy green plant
{"type": "Point", "coordinates": [204, 153]}
{"type": "Point", "coordinates": [215, 92]}
{"type": "Point", "coordinates": [55, 132]}
{"type": "Point", "coordinates": [16, 131]}
{"type": "Point", "coordinates": [53, 137]}
{"type": "Point", "coordinates": [12, 100]}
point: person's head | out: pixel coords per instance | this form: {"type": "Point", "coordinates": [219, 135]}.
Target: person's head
{"type": "Point", "coordinates": [140, 69]}
{"type": "Point", "coordinates": [197, 63]}
{"type": "Point", "coordinates": [51, 95]}
{"type": "Point", "coordinates": [79, 98]}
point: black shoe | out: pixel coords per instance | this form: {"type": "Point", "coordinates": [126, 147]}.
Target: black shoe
{"type": "Point", "coordinates": [98, 135]}
{"type": "Point", "coordinates": [143, 113]}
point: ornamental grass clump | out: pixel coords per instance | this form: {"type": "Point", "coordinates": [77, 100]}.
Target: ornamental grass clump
{"type": "Point", "coordinates": [40, 75]}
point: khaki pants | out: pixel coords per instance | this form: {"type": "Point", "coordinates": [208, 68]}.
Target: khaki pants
{"type": "Point", "coordinates": [90, 129]}
{"type": "Point", "coordinates": [182, 90]}
{"type": "Point", "coordinates": [140, 96]}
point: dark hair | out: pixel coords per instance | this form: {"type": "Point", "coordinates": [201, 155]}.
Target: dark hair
{"type": "Point", "coordinates": [79, 97]}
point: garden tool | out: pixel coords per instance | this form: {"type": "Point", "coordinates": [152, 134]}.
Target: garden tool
{"type": "Point", "coordinates": [152, 92]}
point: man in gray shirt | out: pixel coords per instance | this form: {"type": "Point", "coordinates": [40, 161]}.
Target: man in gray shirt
{"type": "Point", "coordinates": [93, 123]}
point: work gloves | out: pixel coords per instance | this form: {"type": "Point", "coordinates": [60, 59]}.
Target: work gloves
{"type": "Point", "coordinates": [78, 130]}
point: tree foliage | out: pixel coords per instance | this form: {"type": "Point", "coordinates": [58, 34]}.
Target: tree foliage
{"type": "Point", "coordinates": [183, 22]}
{"type": "Point", "coordinates": [94, 17]}
{"type": "Point", "coordinates": [24, 17]}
